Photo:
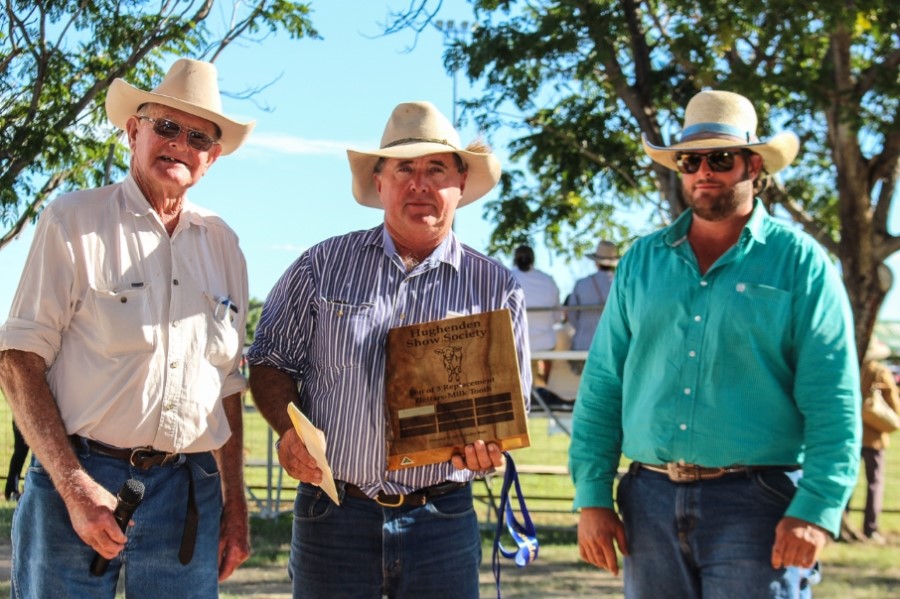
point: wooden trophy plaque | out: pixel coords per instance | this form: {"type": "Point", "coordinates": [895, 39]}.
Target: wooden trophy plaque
{"type": "Point", "coordinates": [450, 382]}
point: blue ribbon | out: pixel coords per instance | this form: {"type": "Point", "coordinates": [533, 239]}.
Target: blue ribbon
{"type": "Point", "coordinates": [523, 533]}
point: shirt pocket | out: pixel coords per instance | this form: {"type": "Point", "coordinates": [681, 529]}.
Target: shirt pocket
{"type": "Point", "coordinates": [222, 337]}
{"type": "Point", "coordinates": [344, 331]}
{"type": "Point", "coordinates": [124, 321]}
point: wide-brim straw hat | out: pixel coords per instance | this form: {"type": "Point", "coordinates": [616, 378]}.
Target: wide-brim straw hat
{"type": "Point", "coordinates": [418, 129]}
{"type": "Point", "coordinates": [607, 254]}
{"type": "Point", "coordinates": [190, 86]}
{"type": "Point", "coordinates": [719, 119]}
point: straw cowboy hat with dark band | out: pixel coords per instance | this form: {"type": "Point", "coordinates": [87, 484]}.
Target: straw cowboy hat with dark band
{"type": "Point", "coordinates": [190, 86]}
{"type": "Point", "coordinates": [716, 119]}
{"type": "Point", "coordinates": [418, 129]}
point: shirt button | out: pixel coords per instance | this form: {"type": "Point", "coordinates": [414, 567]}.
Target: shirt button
{"type": "Point", "coordinates": [692, 354]}
{"type": "Point", "coordinates": [697, 318]}
{"type": "Point", "coordinates": [683, 427]}
{"type": "Point", "coordinates": [687, 391]}
{"type": "Point", "coordinates": [174, 323]}
{"type": "Point", "coordinates": [174, 281]}
{"type": "Point", "coordinates": [704, 283]}
{"type": "Point", "coordinates": [173, 365]}
{"type": "Point", "coordinates": [402, 317]}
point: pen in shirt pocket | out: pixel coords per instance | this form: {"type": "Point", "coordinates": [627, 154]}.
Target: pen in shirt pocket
{"type": "Point", "coordinates": [225, 304]}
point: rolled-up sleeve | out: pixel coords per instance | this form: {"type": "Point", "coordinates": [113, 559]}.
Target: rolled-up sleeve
{"type": "Point", "coordinates": [45, 298]}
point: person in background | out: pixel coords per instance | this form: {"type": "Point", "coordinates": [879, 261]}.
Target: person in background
{"type": "Point", "coordinates": [542, 304]}
{"type": "Point", "coordinates": [591, 293]}
{"type": "Point", "coordinates": [875, 377]}
{"type": "Point", "coordinates": [120, 359]}
{"type": "Point", "coordinates": [724, 361]}
{"type": "Point", "coordinates": [16, 463]}
{"type": "Point", "coordinates": [396, 533]}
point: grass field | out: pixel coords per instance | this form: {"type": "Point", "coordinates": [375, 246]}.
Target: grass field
{"type": "Point", "coordinates": [856, 571]}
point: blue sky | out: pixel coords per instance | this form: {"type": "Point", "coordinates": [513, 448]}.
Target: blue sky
{"type": "Point", "coordinates": [288, 187]}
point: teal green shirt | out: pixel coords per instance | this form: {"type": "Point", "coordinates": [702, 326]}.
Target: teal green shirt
{"type": "Point", "coordinates": [752, 363]}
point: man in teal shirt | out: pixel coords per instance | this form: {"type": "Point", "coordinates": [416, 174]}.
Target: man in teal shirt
{"type": "Point", "coordinates": [724, 361]}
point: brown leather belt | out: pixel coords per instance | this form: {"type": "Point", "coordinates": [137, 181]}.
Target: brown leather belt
{"type": "Point", "coordinates": [139, 457]}
{"type": "Point", "coordinates": [146, 458]}
{"type": "Point", "coordinates": [419, 497]}
{"type": "Point", "coordinates": [688, 473]}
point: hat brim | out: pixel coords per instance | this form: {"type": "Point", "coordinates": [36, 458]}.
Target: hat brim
{"type": "Point", "coordinates": [776, 153]}
{"type": "Point", "coordinates": [482, 174]}
{"type": "Point", "coordinates": [603, 261]}
{"type": "Point", "coordinates": [123, 101]}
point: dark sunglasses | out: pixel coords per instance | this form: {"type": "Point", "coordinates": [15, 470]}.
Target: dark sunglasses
{"type": "Point", "coordinates": [720, 161]}
{"type": "Point", "coordinates": [170, 130]}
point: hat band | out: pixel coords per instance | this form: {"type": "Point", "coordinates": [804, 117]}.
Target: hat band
{"type": "Point", "coordinates": [717, 128]}
{"type": "Point", "coordinates": [415, 140]}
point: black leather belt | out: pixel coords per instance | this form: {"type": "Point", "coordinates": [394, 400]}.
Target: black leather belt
{"type": "Point", "coordinates": [687, 473]}
{"type": "Point", "coordinates": [419, 497]}
{"type": "Point", "coordinates": [139, 457]}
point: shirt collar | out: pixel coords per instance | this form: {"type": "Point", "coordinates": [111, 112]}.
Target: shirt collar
{"type": "Point", "coordinates": [137, 204]}
{"type": "Point", "coordinates": [449, 250]}
{"type": "Point", "coordinates": [755, 227]}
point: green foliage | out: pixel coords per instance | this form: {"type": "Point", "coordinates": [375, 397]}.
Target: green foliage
{"type": "Point", "coordinates": [580, 81]}
{"type": "Point", "coordinates": [58, 58]}
{"type": "Point", "coordinates": [254, 311]}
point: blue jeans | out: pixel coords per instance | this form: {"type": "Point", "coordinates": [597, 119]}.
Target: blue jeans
{"type": "Point", "coordinates": [711, 539]}
{"type": "Point", "coordinates": [363, 550]}
{"type": "Point", "coordinates": [49, 560]}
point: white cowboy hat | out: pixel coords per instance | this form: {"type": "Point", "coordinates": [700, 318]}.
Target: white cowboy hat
{"type": "Point", "coordinates": [418, 129]}
{"type": "Point", "coordinates": [607, 254]}
{"type": "Point", "coordinates": [190, 86]}
{"type": "Point", "coordinates": [718, 119]}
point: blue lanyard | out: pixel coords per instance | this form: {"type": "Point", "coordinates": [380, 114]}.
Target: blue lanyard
{"type": "Point", "coordinates": [522, 533]}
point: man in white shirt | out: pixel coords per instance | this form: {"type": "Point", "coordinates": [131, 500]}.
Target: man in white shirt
{"type": "Point", "coordinates": [120, 361]}
{"type": "Point", "coordinates": [542, 305]}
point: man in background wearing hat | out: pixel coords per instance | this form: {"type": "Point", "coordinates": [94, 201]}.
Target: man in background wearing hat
{"type": "Point", "coordinates": [591, 292]}
{"type": "Point", "coordinates": [414, 531]}
{"type": "Point", "coordinates": [723, 363]}
{"type": "Point", "coordinates": [120, 360]}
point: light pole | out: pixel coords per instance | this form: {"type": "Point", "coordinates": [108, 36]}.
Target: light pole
{"type": "Point", "coordinates": [453, 32]}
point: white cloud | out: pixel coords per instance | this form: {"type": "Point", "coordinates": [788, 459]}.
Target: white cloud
{"type": "Point", "coordinates": [289, 247]}
{"type": "Point", "coordinates": [289, 144]}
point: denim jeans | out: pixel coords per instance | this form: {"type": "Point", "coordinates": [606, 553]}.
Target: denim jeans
{"type": "Point", "coordinates": [711, 539]}
{"type": "Point", "coordinates": [50, 561]}
{"type": "Point", "coordinates": [362, 550]}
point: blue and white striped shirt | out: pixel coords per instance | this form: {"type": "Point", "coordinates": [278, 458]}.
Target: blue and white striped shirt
{"type": "Point", "coordinates": [326, 321]}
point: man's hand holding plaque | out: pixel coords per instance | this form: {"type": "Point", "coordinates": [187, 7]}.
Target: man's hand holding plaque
{"type": "Point", "coordinates": [479, 456]}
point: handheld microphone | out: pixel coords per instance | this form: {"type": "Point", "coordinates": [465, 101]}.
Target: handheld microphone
{"type": "Point", "coordinates": [130, 495]}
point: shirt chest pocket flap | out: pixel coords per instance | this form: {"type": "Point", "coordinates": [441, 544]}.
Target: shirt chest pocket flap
{"type": "Point", "coordinates": [124, 320]}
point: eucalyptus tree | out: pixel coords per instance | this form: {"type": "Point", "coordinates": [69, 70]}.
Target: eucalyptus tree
{"type": "Point", "coordinates": [57, 59]}
{"type": "Point", "coordinates": [580, 81]}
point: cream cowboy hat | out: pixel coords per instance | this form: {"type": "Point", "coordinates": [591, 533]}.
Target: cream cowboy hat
{"type": "Point", "coordinates": [607, 254]}
{"type": "Point", "coordinates": [717, 119]}
{"type": "Point", "coordinates": [190, 86]}
{"type": "Point", "coordinates": [418, 129]}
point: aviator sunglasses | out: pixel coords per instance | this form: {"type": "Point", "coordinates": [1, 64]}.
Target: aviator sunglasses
{"type": "Point", "coordinates": [170, 130]}
{"type": "Point", "coordinates": [720, 161]}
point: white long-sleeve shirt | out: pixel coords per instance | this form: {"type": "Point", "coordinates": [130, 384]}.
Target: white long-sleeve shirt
{"type": "Point", "coordinates": [142, 332]}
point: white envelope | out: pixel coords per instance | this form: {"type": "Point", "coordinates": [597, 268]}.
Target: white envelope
{"type": "Point", "coordinates": [314, 439]}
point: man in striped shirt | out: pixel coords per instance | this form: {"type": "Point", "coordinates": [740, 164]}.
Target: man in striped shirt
{"type": "Point", "coordinates": [410, 532]}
